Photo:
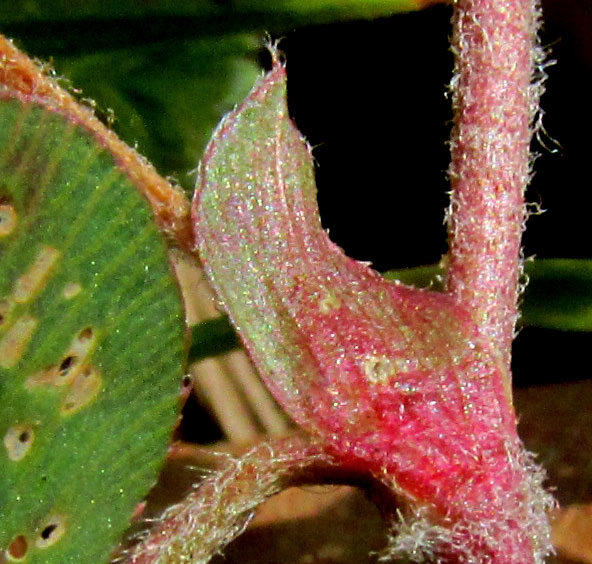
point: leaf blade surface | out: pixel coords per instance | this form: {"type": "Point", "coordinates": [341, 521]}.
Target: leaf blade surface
{"type": "Point", "coordinates": [92, 339]}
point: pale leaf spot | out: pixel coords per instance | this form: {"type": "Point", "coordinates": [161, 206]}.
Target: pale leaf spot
{"type": "Point", "coordinates": [18, 441]}
{"type": "Point", "coordinates": [71, 289]}
{"type": "Point", "coordinates": [4, 311]}
{"type": "Point", "coordinates": [14, 342]}
{"type": "Point", "coordinates": [51, 531]}
{"type": "Point", "coordinates": [84, 389]}
{"type": "Point", "coordinates": [378, 369]}
{"type": "Point", "coordinates": [36, 277]}
{"type": "Point", "coordinates": [83, 342]}
{"type": "Point", "coordinates": [8, 219]}
{"type": "Point", "coordinates": [70, 365]}
{"type": "Point", "coordinates": [45, 377]}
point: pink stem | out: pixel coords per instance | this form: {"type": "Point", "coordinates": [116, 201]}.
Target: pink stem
{"type": "Point", "coordinates": [495, 102]}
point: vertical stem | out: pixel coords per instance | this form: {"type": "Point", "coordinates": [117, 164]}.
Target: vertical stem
{"type": "Point", "coordinates": [495, 102]}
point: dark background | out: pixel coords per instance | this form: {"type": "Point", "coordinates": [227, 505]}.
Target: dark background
{"type": "Point", "coordinates": [371, 97]}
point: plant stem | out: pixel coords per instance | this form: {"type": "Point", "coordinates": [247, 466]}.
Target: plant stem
{"type": "Point", "coordinates": [223, 504]}
{"type": "Point", "coordinates": [495, 102]}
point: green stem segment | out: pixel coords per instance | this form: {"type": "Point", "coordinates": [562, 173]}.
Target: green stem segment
{"type": "Point", "coordinates": [495, 102]}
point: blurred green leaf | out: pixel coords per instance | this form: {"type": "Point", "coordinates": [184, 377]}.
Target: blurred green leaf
{"type": "Point", "coordinates": [212, 337]}
{"type": "Point", "coordinates": [168, 97]}
{"type": "Point", "coordinates": [329, 10]}
{"type": "Point", "coordinates": [558, 295]}
{"type": "Point", "coordinates": [430, 276]}
{"type": "Point", "coordinates": [25, 11]}
{"type": "Point", "coordinates": [92, 341]}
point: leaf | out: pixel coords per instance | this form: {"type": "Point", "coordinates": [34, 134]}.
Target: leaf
{"type": "Point", "coordinates": [558, 294]}
{"type": "Point", "coordinates": [167, 97]}
{"type": "Point", "coordinates": [398, 381]}
{"type": "Point", "coordinates": [92, 334]}
{"type": "Point", "coordinates": [22, 11]}
{"type": "Point", "coordinates": [429, 276]}
{"type": "Point", "coordinates": [212, 337]}
{"type": "Point", "coordinates": [328, 10]}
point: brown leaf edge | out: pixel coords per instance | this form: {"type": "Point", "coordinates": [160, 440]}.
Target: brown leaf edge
{"type": "Point", "coordinates": [30, 82]}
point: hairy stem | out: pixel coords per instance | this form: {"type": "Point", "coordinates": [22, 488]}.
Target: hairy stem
{"type": "Point", "coordinates": [222, 505]}
{"type": "Point", "coordinates": [495, 102]}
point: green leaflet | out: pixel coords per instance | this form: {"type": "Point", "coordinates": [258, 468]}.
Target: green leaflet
{"type": "Point", "coordinates": [92, 341]}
